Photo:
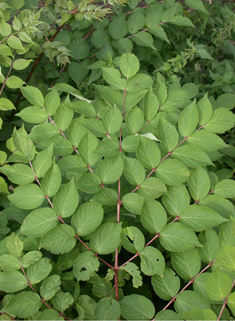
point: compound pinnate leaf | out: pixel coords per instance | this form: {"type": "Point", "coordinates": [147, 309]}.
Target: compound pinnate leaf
{"type": "Point", "coordinates": [137, 307]}
{"type": "Point", "coordinates": [107, 309]}
{"type": "Point", "coordinates": [106, 238]}
{"type": "Point", "coordinates": [178, 238]}
{"type": "Point", "coordinates": [12, 281]}
{"type": "Point", "coordinates": [39, 222]}
{"type": "Point", "coordinates": [28, 196]}
{"type": "Point", "coordinates": [50, 286]}
{"type": "Point", "coordinates": [85, 266]}
{"type": "Point", "coordinates": [152, 261]}
{"type": "Point", "coordinates": [87, 218]}
{"type": "Point", "coordinates": [166, 287]}
{"type": "Point", "coordinates": [218, 285]}
{"type": "Point", "coordinates": [24, 304]}
{"type": "Point", "coordinates": [61, 239]}
{"type": "Point", "coordinates": [153, 216]}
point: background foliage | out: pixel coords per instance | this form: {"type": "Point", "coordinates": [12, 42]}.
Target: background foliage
{"type": "Point", "coordinates": [117, 160]}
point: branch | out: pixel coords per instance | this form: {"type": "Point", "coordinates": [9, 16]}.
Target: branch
{"type": "Point", "coordinates": [225, 303]}
{"type": "Point", "coordinates": [4, 83]}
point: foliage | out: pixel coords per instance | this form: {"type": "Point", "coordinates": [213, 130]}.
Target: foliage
{"type": "Point", "coordinates": [117, 145]}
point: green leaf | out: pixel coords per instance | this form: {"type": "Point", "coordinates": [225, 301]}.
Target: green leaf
{"type": "Point", "coordinates": [51, 181]}
{"type": "Point", "coordinates": [107, 309]}
{"type": "Point", "coordinates": [34, 115]}
{"type": "Point", "coordinates": [112, 120]}
{"type": "Point", "coordinates": [225, 188]}
{"type": "Point", "coordinates": [20, 64]}
{"type": "Point", "coordinates": [23, 144]}
{"type": "Point", "coordinates": [219, 204]}
{"type": "Point", "coordinates": [204, 109]}
{"type": "Point", "coordinates": [188, 120]}
{"type": "Point", "coordinates": [18, 173]}
{"type": "Point", "coordinates": [176, 200]}
{"type": "Point", "coordinates": [197, 5]}
{"type": "Point", "coordinates": [5, 28]}
{"type": "Point", "coordinates": [152, 188]}
{"type": "Point", "coordinates": [129, 64]}
{"type": "Point", "coordinates": [176, 99]}
{"type": "Point", "coordinates": [63, 117]}
{"type": "Point", "coordinates": [39, 270]}
{"type": "Point", "coordinates": [133, 203]}
{"type": "Point", "coordinates": [106, 238]}
{"type": "Point", "coordinates": [132, 239]}
{"type": "Point", "coordinates": [72, 164]}
{"type": "Point", "coordinates": [167, 315]}
{"type": "Point", "coordinates": [166, 287]}
{"type": "Point", "coordinates": [167, 134]}
{"type": "Point", "coordinates": [153, 216]}
{"type": "Point", "coordinates": [200, 218]}
{"type": "Point", "coordinates": [138, 83]}
{"type": "Point", "coordinates": [66, 200]}
{"type": "Point", "coordinates": [50, 286]}
{"type": "Point", "coordinates": [43, 161]}
{"type": "Point", "coordinates": [134, 120]}
{"type": "Point", "coordinates": [218, 285]}
{"type": "Point", "coordinates": [15, 43]}
{"type": "Point", "coordinates": [9, 262]}
{"type": "Point", "coordinates": [187, 264]}
{"type": "Point", "coordinates": [113, 78]}
{"type": "Point", "coordinates": [39, 222]}
{"type": "Point", "coordinates": [106, 196]}
{"type": "Point", "coordinates": [225, 100]}
{"type": "Point", "coordinates": [89, 183]}
{"type": "Point", "coordinates": [134, 271]}
{"type": "Point", "coordinates": [82, 107]}
{"type": "Point", "coordinates": [222, 120]}
{"type": "Point", "coordinates": [191, 156]}
{"type": "Point", "coordinates": [189, 300]}
{"type": "Point", "coordinates": [118, 27]}
{"type": "Point", "coordinates": [43, 132]}
{"type": "Point", "coordinates": [134, 171]}
{"type": "Point", "coordinates": [181, 21]}
{"type": "Point", "coordinates": [172, 172]}
{"type": "Point", "coordinates": [61, 239]}
{"type": "Point", "coordinates": [231, 302]}
{"type": "Point", "coordinates": [137, 307]}
{"type": "Point", "coordinates": [108, 147]}
{"type": "Point", "coordinates": [87, 218]}
{"type": "Point", "coordinates": [27, 196]}
{"type": "Point", "coordinates": [159, 32]}
{"type": "Point", "coordinates": [33, 95]}
{"type": "Point", "coordinates": [177, 238]}
{"type": "Point", "coordinates": [52, 102]}
{"type": "Point", "coordinates": [50, 314]}
{"type": "Point", "coordinates": [130, 143]}
{"type": "Point", "coordinates": [110, 169]}
{"type": "Point", "coordinates": [88, 305]}
{"type": "Point", "coordinates": [14, 245]}
{"type": "Point", "coordinates": [30, 258]}
{"type": "Point", "coordinates": [152, 261]}
{"type": "Point", "coordinates": [150, 105]}
{"type": "Point", "coordinates": [85, 266]}
{"type": "Point", "coordinates": [148, 153]}
{"type": "Point", "coordinates": [199, 183]}
{"type": "Point", "coordinates": [62, 300]}
{"type": "Point", "coordinates": [226, 258]}
{"type": "Point", "coordinates": [24, 304]}
{"type": "Point", "coordinates": [76, 132]}
{"type": "Point", "coordinates": [6, 104]}
{"type": "Point", "coordinates": [143, 39]}
{"type": "Point", "coordinates": [87, 145]}
{"type": "Point", "coordinates": [12, 281]}
{"type": "Point", "coordinates": [206, 141]}
{"type": "Point", "coordinates": [101, 287]}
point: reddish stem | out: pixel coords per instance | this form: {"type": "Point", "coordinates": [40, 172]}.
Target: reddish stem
{"type": "Point", "coordinates": [5, 80]}
{"type": "Point", "coordinates": [225, 302]}
{"type": "Point", "coordinates": [35, 176]}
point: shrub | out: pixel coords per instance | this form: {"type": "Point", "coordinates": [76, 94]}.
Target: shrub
{"type": "Point", "coordinates": [116, 201]}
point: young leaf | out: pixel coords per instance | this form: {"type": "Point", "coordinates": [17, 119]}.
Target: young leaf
{"type": "Point", "coordinates": [188, 120]}
{"type": "Point", "coordinates": [152, 261]}
{"type": "Point", "coordinates": [85, 266]}
{"type": "Point", "coordinates": [187, 264]}
{"type": "Point", "coordinates": [110, 169]}
{"type": "Point", "coordinates": [24, 304]}
{"type": "Point", "coordinates": [148, 153]}
{"type": "Point", "coordinates": [166, 287]}
{"type": "Point", "coordinates": [199, 183]}
{"type": "Point", "coordinates": [137, 307]}
{"type": "Point", "coordinates": [61, 239]}
{"type": "Point", "coordinates": [172, 172]}
{"type": "Point", "coordinates": [66, 200]}
{"type": "Point", "coordinates": [87, 218]}
{"type": "Point", "coordinates": [178, 238]}
{"type": "Point", "coordinates": [27, 196]}
{"type": "Point", "coordinates": [39, 270]}
{"type": "Point", "coordinates": [50, 286]}
{"type": "Point", "coordinates": [106, 238]}
{"type": "Point", "coordinates": [200, 218]}
{"type": "Point", "coordinates": [153, 216]}
{"type": "Point", "coordinates": [39, 222]}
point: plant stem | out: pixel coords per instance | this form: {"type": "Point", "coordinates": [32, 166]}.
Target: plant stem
{"type": "Point", "coordinates": [225, 302]}
{"type": "Point", "coordinates": [190, 282]}
{"type": "Point", "coordinates": [5, 80]}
